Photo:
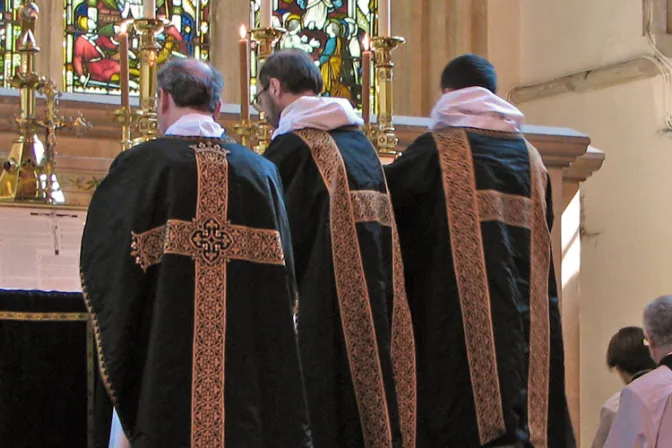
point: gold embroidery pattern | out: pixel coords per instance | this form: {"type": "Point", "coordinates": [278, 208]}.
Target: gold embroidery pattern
{"type": "Point", "coordinates": [510, 209]}
{"type": "Point", "coordinates": [212, 241]}
{"type": "Point", "coordinates": [372, 206]}
{"type": "Point", "coordinates": [459, 186]}
{"type": "Point", "coordinates": [147, 247]}
{"type": "Point", "coordinates": [403, 346]}
{"type": "Point", "coordinates": [353, 294]}
{"type": "Point", "coordinates": [229, 241]}
{"type": "Point", "coordinates": [43, 317]}
{"type": "Point", "coordinates": [540, 326]}
{"type": "Point", "coordinates": [102, 365]}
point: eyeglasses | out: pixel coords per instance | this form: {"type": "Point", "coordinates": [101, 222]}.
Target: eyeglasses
{"type": "Point", "coordinates": [255, 101]}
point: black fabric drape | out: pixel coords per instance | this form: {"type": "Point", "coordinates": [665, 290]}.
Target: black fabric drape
{"type": "Point", "coordinates": [47, 372]}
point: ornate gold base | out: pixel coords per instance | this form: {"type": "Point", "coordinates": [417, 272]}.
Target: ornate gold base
{"type": "Point", "coordinates": [24, 175]}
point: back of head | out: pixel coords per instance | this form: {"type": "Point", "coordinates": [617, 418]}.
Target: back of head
{"type": "Point", "coordinates": [658, 326]}
{"type": "Point", "coordinates": [296, 71]}
{"type": "Point", "coordinates": [469, 70]}
{"type": "Point", "coordinates": [192, 84]}
{"type": "Point", "coordinates": [628, 353]}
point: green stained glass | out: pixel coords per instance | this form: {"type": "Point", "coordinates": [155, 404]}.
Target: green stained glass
{"type": "Point", "coordinates": [10, 30]}
{"type": "Point", "coordinates": [92, 49]}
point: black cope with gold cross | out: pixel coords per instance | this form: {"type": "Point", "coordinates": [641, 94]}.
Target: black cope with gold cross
{"type": "Point", "coordinates": [211, 240]}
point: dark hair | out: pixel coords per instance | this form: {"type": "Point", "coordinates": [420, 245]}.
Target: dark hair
{"type": "Point", "coordinates": [469, 70]}
{"type": "Point", "coordinates": [295, 69]}
{"type": "Point", "coordinates": [191, 83]}
{"type": "Point", "coordinates": [628, 352]}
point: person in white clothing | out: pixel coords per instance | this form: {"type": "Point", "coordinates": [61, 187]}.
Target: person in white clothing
{"type": "Point", "coordinates": [644, 418]}
{"type": "Point", "coordinates": [629, 356]}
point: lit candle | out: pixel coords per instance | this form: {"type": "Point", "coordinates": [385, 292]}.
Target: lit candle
{"type": "Point", "coordinates": [149, 9]}
{"type": "Point", "coordinates": [124, 60]}
{"type": "Point", "coordinates": [384, 18]}
{"type": "Point", "coordinates": [266, 13]}
{"type": "Point", "coordinates": [366, 81]}
{"type": "Point", "coordinates": [244, 46]}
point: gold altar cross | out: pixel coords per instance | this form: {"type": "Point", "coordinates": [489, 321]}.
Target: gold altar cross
{"type": "Point", "coordinates": [211, 241]}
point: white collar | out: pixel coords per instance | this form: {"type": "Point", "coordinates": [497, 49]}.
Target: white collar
{"type": "Point", "coordinates": [322, 113]}
{"type": "Point", "coordinates": [195, 125]}
{"type": "Point", "coordinates": [476, 107]}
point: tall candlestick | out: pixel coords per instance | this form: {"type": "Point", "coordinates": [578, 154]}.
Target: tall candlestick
{"type": "Point", "coordinates": [366, 81]}
{"type": "Point", "coordinates": [149, 9]}
{"type": "Point", "coordinates": [384, 18]}
{"type": "Point", "coordinates": [244, 45]}
{"type": "Point", "coordinates": [266, 13]}
{"type": "Point", "coordinates": [124, 61]}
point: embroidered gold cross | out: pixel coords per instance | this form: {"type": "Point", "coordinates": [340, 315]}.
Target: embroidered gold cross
{"type": "Point", "coordinates": [212, 241]}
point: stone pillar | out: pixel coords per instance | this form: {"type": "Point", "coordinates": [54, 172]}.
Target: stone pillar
{"type": "Point", "coordinates": [572, 221]}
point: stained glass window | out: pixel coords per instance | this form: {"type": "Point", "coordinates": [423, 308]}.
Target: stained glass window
{"type": "Point", "coordinates": [331, 31]}
{"type": "Point", "coordinates": [10, 31]}
{"type": "Point", "coordinates": [91, 46]}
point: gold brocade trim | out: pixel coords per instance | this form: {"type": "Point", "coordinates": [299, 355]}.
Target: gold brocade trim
{"type": "Point", "coordinates": [403, 345]}
{"type": "Point", "coordinates": [215, 240]}
{"type": "Point", "coordinates": [212, 241]}
{"type": "Point", "coordinates": [90, 382]}
{"type": "Point", "coordinates": [371, 206]}
{"type": "Point", "coordinates": [102, 365]}
{"type": "Point", "coordinates": [540, 326]}
{"type": "Point", "coordinates": [459, 185]}
{"type": "Point", "coordinates": [510, 209]}
{"type": "Point", "coordinates": [352, 291]}
{"type": "Point", "coordinates": [43, 317]}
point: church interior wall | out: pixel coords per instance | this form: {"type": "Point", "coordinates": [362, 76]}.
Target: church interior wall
{"type": "Point", "coordinates": [625, 247]}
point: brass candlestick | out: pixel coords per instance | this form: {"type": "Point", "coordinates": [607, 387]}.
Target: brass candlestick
{"type": "Point", "coordinates": [29, 174]}
{"type": "Point", "coordinates": [143, 119]}
{"type": "Point", "coordinates": [382, 133]}
{"type": "Point", "coordinates": [244, 131]}
{"type": "Point", "coordinates": [265, 40]}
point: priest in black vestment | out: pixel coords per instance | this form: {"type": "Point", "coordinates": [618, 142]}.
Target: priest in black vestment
{"type": "Point", "coordinates": [354, 325]}
{"type": "Point", "coordinates": [187, 271]}
{"type": "Point", "coordinates": [473, 205]}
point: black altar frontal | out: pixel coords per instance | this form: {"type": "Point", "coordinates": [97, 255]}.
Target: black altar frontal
{"type": "Point", "coordinates": [48, 368]}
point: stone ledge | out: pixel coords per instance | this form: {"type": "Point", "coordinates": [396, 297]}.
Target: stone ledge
{"type": "Point", "coordinates": [83, 161]}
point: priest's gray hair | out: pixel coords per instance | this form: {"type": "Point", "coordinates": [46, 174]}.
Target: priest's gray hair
{"type": "Point", "coordinates": [193, 84]}
{"type": "Point", "coordinates": [658, 321]}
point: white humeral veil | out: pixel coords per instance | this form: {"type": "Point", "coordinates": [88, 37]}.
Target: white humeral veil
{"type": "Point", "coordinates": [476, 107]}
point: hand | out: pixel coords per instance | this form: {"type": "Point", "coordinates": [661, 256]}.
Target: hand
{"type": "Point", "coordinates": [304, 38]}
{"type": "Point", "coordinates": [314, 43]}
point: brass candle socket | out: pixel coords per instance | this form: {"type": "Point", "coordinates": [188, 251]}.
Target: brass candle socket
{"type": "Point", "coordinates": [244, 131]}
{"type": "Point", "coordinates": [383, 132]}
{"type": "Point", "coordinates": [29, 172]}
{"type": "Point", "coordinates": [265, 40]}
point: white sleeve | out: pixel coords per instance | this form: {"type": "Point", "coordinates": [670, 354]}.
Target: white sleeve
{"type": "Point", "coordinates": [606, 420]}
{"type": "Point", "coordinates": [632, 427]}
{"type": "Point", "coordinates": [117, 437]}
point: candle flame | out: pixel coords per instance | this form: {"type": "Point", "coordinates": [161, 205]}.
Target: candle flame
{"type": "Point", "coordinates": [365, 42]}
{"type": "Point", "coordinates": [243, 32]}
{"type": "Point", "coordinates": [123, 27]}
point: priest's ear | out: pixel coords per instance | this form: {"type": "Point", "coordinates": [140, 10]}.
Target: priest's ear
{"type": "Point", "coordinates": [165, 101]}
{"type": "Point", "coordinates": [218, 109]}
{"type": "Point", "coordinates": [275, 87]}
